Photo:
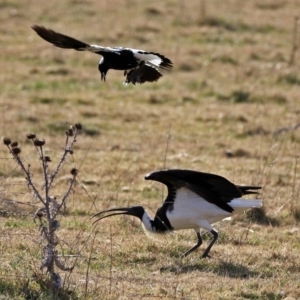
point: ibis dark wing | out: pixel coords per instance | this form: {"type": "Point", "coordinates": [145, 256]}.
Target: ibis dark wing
{"type": "Point", "coordinates": [141, 74]}
{"type": "Point", "coordinates": [213, 188]}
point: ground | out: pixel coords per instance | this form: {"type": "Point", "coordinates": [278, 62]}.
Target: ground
{"type": "Point", "coordinates": [230, 106]}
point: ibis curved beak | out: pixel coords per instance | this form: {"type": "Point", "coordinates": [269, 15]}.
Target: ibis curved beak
{"type": "Point", "coordinates": [117, 211]}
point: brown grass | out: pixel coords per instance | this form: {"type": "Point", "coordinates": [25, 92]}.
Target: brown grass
{"type": "Point", "coordinates": [230, 90]}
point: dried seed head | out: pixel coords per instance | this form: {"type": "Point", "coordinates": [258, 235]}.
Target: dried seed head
{"type": "Point", "coordinates": [70, 131]}
{"type": "Point", "coordinates": [31, 136]}
{"type": "Point", "coordinates": [70, 151]}
{"type": "Point", "coordinates": [39, 142]}
{"type": "Point", "coordinates": [14, 144]}
{"type": "Point", "coordinates": [6, 141]}
{"type": "Point", "coordinates": [47, 158]}
{"type": "Point", "coordinates": [16, 150]}
{"type": "Point", "coordinates": [74, 171]}
{"type": "Point", "coordinates": [40, 214]}
{"type": "Point", "coordinates": [78, 126]}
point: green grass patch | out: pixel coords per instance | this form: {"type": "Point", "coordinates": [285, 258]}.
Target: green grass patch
{"type": "Point", "coordinates": [237, 96]}
{"type": "Point", "coordinates": [92, 130]}
{"type": "Point", "coordinates": [58, 127]}
{"type": "Point", "coordinates": [236, 26]}
{"type": "Point", "coordinates": [290, 79]}
{"type": "Point", "coordinates": [19, 223]}
{"type": "Point", "coordinates": [226, 59]}
{"type": "Point", "coordinates": [49, 100]}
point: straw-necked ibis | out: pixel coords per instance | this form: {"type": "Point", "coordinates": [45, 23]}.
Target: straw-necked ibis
{"type": "Point", "coordinates": [195, 200]}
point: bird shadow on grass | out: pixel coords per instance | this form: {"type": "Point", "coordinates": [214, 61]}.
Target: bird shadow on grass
{"type": "Point", "coordinates": [223, 268]}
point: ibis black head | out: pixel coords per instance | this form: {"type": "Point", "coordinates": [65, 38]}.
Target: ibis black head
{"type": "Point", "coordinates": [136, 211]}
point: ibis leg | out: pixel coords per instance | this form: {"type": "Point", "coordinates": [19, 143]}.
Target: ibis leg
{"type": "Point", "coordinates": [195, 247]}
{"type": "Point", "coordinates": [215, 234]}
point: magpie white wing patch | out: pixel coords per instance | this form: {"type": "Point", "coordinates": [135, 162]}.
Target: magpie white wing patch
{"type": "Point", "coordinates": [154, 59]}
{"type": "Point", "coordinates": [96, 49]}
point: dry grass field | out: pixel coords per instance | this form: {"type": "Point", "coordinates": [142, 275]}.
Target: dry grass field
{"type": "Point", "coordinates": [228, 107]}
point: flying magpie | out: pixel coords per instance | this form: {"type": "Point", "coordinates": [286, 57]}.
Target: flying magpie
{"type": "Point", "coordinates": [139, 66]}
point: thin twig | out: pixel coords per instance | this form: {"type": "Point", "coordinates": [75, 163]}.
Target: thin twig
{"type": "Point", "coordinates": [167, 145]}
{"type": "Point", "coordinates": [295, 41]}
{"type": "Point", "coordinates": [111, 263]}
{"type": "Point", "coordinates": [67, 149]}
{"type": "Point", "coordinates": [66, 195]}
{"type": "Point", "coordinates": [28, 176]}
{"type": "Point", "coordinates": [88, 265]}
{"type": "Point", "coordinates": [165, 157]}
{"type": "Point", "coordinates": [294, 184]}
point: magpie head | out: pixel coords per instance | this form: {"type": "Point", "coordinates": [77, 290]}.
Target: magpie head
{"type": "Point", "coordinates": [136, 211]}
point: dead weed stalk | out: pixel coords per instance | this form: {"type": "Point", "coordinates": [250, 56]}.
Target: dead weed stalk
{"type": "Point", "coordinates": [46, 216]}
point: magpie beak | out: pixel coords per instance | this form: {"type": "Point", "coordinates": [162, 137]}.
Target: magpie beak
{"type": "Point", "coordinates": [117, 211]}
{"type": "Point", "coordinates": [103, 76]}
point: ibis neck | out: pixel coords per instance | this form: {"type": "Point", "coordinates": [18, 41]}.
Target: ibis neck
{"type": "Point", "coordinates": [155, 225]}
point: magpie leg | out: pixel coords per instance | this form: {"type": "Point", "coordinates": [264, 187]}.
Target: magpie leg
{"type": "Point", "coordinates": [195, 247]}
{"type": "Point", "coordinates": [215, 234]}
